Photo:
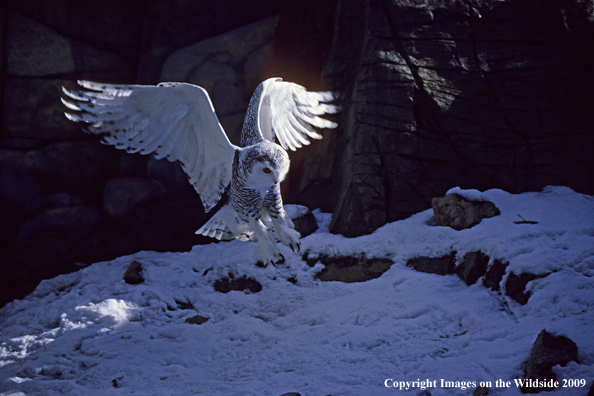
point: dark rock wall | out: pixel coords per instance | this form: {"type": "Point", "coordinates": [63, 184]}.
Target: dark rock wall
{"type": "Point", "coordinates": [65, 198]}
{"type": "Point", "coordinates": [476, 94]}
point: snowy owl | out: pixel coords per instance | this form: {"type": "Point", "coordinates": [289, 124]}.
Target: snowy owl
{"type": "Point", "coordinates": [177, 121]}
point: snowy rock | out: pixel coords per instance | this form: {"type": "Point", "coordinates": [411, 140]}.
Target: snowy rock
{"type": "Point", "coordinates": [353, 269]}
{"type": "Point", "coordinates": [291, 394]}
{"type": "Point", "coordinates": [469, 194]}
{"type": "Point", "coordinates": [473, 266]}
{"type": "Point", "coordinates": [515, 286]}
{"type": "Point", "coordinates": [443, 265]}
{"type": "Point", "coordinates": [295, 211]}
{"type": "Point", "coordinates": [305, 224]}
{"type": "Point", "coordinates": [495, 274]}
{"type": "Point", "coordinates": [457, 212]}
{"type": "Point", "coordinates": [133, 275]}
{"type": "Point", "coordinates": [548, 351]}
{"type": "Point", "coordinates": [123, 193]}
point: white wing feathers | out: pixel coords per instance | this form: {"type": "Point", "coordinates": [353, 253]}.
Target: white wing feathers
{"type": "Point", "coordinates": [172, 120]}
{"type": "Point", "coordinates": [288, 111]}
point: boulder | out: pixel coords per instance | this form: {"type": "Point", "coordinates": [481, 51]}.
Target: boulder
{"type": "Point", "coordinates": [37, 116]}
{"type": "Point", "coordinates": [110, 24]}
{"type": "Point", "coordinates": [304, 221]}
{"type": "Point", "coordinates": [63, 220]}
{"type": "Point", "coordinates": [549, 350]}
{"type": "Point", "coordinates": [305, 224]}
{"type": "Point", "coordinates": [459, 213]}
{"type": "Point", "coordinates": [177, 24]}
{"type": "Point", "coordinates": [123, 193]}
{"type": "Point", "coordinates": [36, 50]}
{"type": "Point", "coordinates": [79, 167]}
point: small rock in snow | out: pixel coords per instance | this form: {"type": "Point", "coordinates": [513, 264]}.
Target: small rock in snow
{"type": "Point", "coordinates": [548, 351]}
{"type": "Point", "coordinates": [133, 275]}
{"type": "Point", "coordinates": [515, 286]}
{"type": "Point", "coordinates": [473, 266]}
{"type": "Point", "coordinates": [443, 265]}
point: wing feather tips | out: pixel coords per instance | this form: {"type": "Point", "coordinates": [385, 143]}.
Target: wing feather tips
{"type": "Point", "coordinates": [295, 113]}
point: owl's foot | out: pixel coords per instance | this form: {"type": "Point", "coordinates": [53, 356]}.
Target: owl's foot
{"type": "Point", "coordinates": [261, 264]}
{"type": "Point", "coordinates": [289, 237]}
{"type": "Point", "coordinates": [268, 253]}
{"type": "Point", "coordinates": [287, 234]}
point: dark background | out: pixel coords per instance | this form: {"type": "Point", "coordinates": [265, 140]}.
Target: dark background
{"type": "Point", "coordinates": [476, 94]}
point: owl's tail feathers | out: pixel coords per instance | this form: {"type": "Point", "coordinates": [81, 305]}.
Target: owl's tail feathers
{"type": "Point", "coordinates": [226, 225]}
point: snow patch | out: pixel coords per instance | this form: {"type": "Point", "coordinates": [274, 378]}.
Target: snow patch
{"type": "Point", "coordinates": [471, 195]}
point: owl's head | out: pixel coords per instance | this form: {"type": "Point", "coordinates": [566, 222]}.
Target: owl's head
{"type": "Point", "coordinates": [266, 165]}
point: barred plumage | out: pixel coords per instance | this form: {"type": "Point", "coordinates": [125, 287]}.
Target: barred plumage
{"type": "Point", "coordinates": [177, 121]}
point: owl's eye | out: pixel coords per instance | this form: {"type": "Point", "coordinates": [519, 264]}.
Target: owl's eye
{"type": "Point", "coordinates": [266, 170]}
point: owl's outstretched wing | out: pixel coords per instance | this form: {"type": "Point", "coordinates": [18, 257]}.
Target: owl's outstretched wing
{"type": "Point", "coordinates": [176, 121]}
{"type": "Point", "coordinates": [290, 112]}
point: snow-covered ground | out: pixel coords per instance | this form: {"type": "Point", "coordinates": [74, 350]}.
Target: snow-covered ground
{"type": "Point", "coordinates": [90, 333]}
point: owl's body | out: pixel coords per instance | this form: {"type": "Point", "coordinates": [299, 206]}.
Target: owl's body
{"type": "Point", "coordinates": [177, 121]}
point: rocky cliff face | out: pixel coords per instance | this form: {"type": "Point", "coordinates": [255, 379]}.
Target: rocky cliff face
{"type": "Point", "coordinates": [477, 94]}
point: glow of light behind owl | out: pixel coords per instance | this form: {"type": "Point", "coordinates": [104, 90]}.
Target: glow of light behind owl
{"type": "Point", "coordinates": [177, 121]}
